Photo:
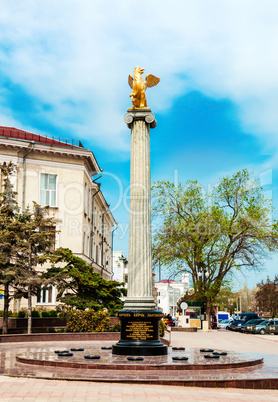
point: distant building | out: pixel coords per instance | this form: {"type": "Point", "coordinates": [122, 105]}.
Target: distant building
{"type": "Point", "coordinates": [169, 293]}
{"type": "Point", "coordinates": [59, 174]}
{"type": "Point", "coordinates": [119, 267]}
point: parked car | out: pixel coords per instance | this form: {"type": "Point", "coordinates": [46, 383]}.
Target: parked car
{"type": "Point", "coordinates": [250, 325]}
{"type": "Point", "coordinates": [267, 327]}
{"type": "Point", "coordinates": [242, 319]}
{"type": "Point", "coordinates": [223, 324]}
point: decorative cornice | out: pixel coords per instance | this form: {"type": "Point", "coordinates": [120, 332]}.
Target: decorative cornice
{"type": "Point", "coordinates": [43, 148]}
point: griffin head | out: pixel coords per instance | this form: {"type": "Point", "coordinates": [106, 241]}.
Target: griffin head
{"type": "Point", "coordinates": [139, 70]}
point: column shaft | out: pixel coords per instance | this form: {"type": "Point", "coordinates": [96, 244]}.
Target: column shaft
{"type": "Point", "coordinates": [140, 287]}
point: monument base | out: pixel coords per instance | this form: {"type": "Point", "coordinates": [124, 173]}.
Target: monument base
{"type": "Point", "coordinates": [140, 334]}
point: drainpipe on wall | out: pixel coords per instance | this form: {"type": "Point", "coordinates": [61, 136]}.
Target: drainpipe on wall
{"type": "Point", "coordinates": [102, 233]}
{"type": "Point", "coordinates": [112, 241]}
{"type": "Point", "coordinates": [99, 177]}
{"type": "Point", "coordinates": [24, 173]}
{"type": "Point", "coordinates": [92, 229]}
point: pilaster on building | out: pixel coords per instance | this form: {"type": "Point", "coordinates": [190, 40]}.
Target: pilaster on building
{"type": "Point", "coordinates": [61, 174]}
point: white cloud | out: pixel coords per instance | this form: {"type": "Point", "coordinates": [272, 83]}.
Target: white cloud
{"type": "Point", "coordinates": [76, 55]}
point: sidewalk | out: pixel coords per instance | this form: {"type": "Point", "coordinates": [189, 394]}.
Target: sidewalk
{"type": "Point", "coordinates": [27, 389]}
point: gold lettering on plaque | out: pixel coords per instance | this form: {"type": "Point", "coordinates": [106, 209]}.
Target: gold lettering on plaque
{"type": "Point", "coordinates": [141, 331]}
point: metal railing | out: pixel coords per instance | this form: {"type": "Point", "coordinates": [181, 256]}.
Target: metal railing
{"type": "Point", "coordinates": [44, 139]}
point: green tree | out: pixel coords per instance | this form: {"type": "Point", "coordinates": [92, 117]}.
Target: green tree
{"type": "Point", "coordinates": [79, 286]}
{"type": "Point", "coordinates": [211, 234]}
{"type": "Point", "coordinates": [35, 248]}
{"type": "Point", "coordinates": [10, 229]}
{"type": "Point", "coordinates": [227, 299]}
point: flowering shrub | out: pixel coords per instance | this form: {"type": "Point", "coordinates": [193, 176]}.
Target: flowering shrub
{"type": "Point", "coordinates": [162, 327]}
{"type": "Point", "coordinates": [87, 321]}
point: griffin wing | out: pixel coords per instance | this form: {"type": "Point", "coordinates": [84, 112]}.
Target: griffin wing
{"type": "Point", "coordinates": [151, 80]}
{"type": "Point", "coordinates": [130, 81]}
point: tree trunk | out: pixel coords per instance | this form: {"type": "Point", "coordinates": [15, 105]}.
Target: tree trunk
{"type": "Point", "coordinates": [208, 313]}
{"type": "Point", "coordinates": [208, 317]}
{"type": "Point", "coordinates": [29, 331]}
{"type": "Point", "coordinates": [6, 309]}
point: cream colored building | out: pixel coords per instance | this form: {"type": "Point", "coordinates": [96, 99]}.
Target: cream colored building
{"type": "Point", "coordinates": [120, 267]}
{"type": "Point", "coordinates": [61, 175]}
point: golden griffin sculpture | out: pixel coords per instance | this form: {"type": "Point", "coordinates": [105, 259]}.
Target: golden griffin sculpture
{"type": "Point", "coordinates": [138, 95]}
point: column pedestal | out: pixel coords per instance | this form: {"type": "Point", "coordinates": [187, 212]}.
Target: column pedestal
{"type": "Point", "coordinates": [140, 334]}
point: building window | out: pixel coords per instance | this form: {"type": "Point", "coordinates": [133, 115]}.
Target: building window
{"type": "Point", "coordinates": [88, 246]}
{"type": "Point", "coordinates": [48, 190]}
{"type": "Point", "coordinates": [89, 204]}
{"type": "Point", "coordinates": [84, 243]}
{"type": "Point", "coordinates": [96, 254]}
{"type": "Point", "coordinates": [86, 200]}
{"type": "Point", "coordinates": [45, 295]}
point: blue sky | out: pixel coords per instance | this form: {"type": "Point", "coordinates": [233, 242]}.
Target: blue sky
{"type": "Point", "coordinates": [64, 67]}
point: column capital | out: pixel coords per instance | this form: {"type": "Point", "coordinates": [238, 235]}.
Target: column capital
{"type": "Point", "coordinates": [140, 114]}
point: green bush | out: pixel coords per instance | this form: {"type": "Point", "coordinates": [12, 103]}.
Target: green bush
{"type": "Point", "coordinates": [35, 313]}
{"type": "Point", "coordinates": [21, 314]}
{"type": "Point", "coordinates": [45, 314]}
{"type": "Point", "coordinates": [116, 327]}
{"type": "Point", "coordinates": [52, 330]}
{"type": "Point", "coordinates": [88, 321]}
{"type": "Point", "coordinates": [62, 311]}
{"type": "Point", "coordinates": [2, 313]}
{"type": "Point", "coordinates": [53, 313]}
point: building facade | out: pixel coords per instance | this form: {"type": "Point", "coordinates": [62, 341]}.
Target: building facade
{"type": "Point", "coordinates": [169, 292]}
{"type": "Point", "coordinates": [62, 176]}
{"type": "Point", "coordinates": [120, 267]}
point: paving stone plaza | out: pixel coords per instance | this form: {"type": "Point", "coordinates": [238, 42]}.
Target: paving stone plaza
{"type": "Point", "coordinates": [46, 382]}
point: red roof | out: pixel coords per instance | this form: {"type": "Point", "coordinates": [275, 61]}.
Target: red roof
{"type": "Point", "coordinates": [12, 132]}
{"type": "Point", "coordinates": [166, 281]}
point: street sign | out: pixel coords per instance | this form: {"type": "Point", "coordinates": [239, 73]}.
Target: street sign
{"type": "Point", "coordinates": [184, 305]}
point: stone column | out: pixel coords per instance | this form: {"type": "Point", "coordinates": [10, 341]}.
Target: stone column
{"type": "Point", "coordinates": [140, 287]}
{"type": "Point", "coordinates": [139, 319]}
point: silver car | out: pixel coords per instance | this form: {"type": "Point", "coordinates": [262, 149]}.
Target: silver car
{"type": "Point", "coordinates": [223, 324]}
